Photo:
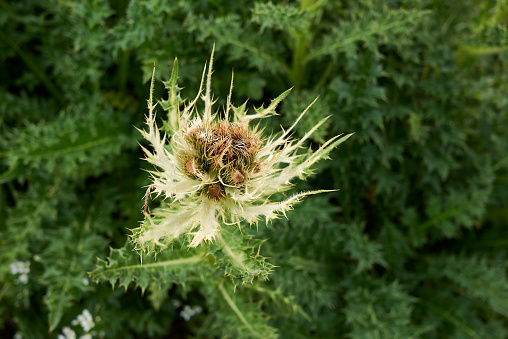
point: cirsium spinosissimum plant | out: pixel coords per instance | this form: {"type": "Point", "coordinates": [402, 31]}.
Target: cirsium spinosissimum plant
{"type": "Point", "coordinates": [219, 172]}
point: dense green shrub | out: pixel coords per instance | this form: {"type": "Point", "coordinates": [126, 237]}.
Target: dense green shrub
{"type": "Point", "coordinates": [413, 245]}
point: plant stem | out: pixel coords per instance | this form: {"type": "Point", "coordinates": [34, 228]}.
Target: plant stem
{"type": "Point", "coordinates": [123, 70]}
{"type": "Point", "coordinates": [235, 309]}
{"type": "Point", "coordinates": [300, 41]}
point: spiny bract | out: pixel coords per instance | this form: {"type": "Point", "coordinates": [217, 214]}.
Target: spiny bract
{"type": "Point", "coordinates": [218, 172]}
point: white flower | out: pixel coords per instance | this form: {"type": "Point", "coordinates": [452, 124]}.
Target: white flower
{"type": "Point", "coordinates": [85, 282]}
{"type": "Point", "coordinates": [20, 267]}
{"type": "Point", "coordinates": [23, 278]}
{"type": "Point", "coordinates": [187, 313]}
{"type": "Point", "coordinates": [85, 320]}
{"type": "Point", "coordinates": [68, 333]}
{"type": "Point", "coordinates": [14, 268]}
{"type": "Point", "coordinates": [219, 171]}
{"type": "Point", "coordinates": [176, 303]}
{"type": "Point", "coordinates": [86, 336]}
{"type": "Point", "coordinates": [17, 335]}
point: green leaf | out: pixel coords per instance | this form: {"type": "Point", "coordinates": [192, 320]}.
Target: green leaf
{"type": "Point", "coordinates": [236, 316]}
{"type": "Point", "coordinates": [478, 277]}
{"type": "Point", "coordinates": [82, 139]}
{"type": "Point", "coordinates": [379, 310]}
{"type": "Point", "coordinates": [173, 266]}
{"type": "Point", "coordinates": [387, 25]}
{"type": "Point", "coordinates": [237, 255]}
{"type": "Point", "coordinates": [366, 252]}
{"type": "Point", "coordinates": [282, 17]}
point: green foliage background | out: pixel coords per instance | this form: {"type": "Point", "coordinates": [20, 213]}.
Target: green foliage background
{"type": "Point", "coordinates": [413, 245]}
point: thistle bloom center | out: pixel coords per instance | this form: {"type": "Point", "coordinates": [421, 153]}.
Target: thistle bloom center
{"type": "Point", "coordinates": [223, 150]}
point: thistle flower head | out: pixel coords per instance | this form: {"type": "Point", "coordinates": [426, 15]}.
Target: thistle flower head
{"type": "Point", "coordinates": [217, 172]}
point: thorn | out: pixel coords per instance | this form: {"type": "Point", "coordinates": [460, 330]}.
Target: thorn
{"type": "Point", "coordinates": [147, 194]}
{"type": "Point", "coordinates": [257, 255]}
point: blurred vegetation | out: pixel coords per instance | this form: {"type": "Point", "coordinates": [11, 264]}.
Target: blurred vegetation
{"type": "Point", "coordinates": [413, 245]}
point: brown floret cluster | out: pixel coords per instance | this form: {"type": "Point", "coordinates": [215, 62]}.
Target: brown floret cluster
{"type": "Point", "coordinates": [225, 149]}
